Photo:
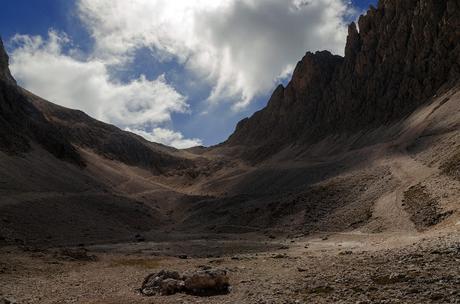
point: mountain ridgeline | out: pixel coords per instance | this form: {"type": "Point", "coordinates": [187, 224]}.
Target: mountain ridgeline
{"type": "Point", "coordinates": [404, 53]}
{"type": "Point", "coordinates": [27, 120]}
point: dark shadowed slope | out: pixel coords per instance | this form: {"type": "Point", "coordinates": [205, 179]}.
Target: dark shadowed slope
{"type": "Point", "coordinates": [64, 176]}
{"type": "Point", "coordinates": [27, 119]}
{"type": "Point", "coordinates": [21, 123]}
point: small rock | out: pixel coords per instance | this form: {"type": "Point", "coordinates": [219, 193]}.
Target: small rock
{"type": "Point", "coordinates": [301, 269]}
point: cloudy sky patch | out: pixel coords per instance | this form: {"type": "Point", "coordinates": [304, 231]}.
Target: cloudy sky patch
{"type": "Point", "coordinates": [205, 64]}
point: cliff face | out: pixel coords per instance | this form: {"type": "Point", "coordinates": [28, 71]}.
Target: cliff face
{"type": "Point", "coordinates": [5, 74]}
{"type": "Point", "coordinates": [404, 52]}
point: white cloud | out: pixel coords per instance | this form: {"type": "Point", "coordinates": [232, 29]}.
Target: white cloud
{"type": "Point", "coordinates": [44, 68]}
{"type": "Point", "coordinates": [167, 137]}
{"type": "Point", "coordinates": [241, 47]}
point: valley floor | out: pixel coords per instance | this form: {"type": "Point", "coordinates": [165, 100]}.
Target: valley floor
{"type": "Point", "coordinates": [380, 224]}
{"type": "Point", "coordinates": [323, 268]}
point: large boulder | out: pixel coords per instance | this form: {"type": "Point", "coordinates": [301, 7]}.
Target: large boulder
{"type": "Point", "coordinates": [162, 283]}
{"type": "Point", "coordinates": [206, 282]}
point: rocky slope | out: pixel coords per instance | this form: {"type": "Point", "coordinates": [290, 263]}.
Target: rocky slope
{"type": "Point", "coordinates": [26, 119]}
{"type": "Point", "coordinates": [21, 122]}
{"type": "Point", "coordinates": [405, 52]}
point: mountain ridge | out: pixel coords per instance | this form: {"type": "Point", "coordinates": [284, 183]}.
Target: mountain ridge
{"type": "Point", "coordinates": [402, 55]}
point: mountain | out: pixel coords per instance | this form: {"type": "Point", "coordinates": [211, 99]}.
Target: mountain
{"type": "Point", "coordinates": [404, 53]}
{"type": "Point", "coordinates": [344, 188]}
{"type": "Point", "coordinates": [361, 142]}
{"type": "Point", "coordinates": [63, 170]}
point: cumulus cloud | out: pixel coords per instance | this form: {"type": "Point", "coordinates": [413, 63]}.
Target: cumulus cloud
{"type": "Point", "coordinates": [238, 48]}
{"type": "Point", "coordinates": [44, 68]}
{"type": "Point", "coordinates": [241, 47]}
{"type": "Point", "coordinates": [167, 137]}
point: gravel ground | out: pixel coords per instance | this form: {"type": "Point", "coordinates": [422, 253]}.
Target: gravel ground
{"type": "Point", "coordinates": [340, 268]}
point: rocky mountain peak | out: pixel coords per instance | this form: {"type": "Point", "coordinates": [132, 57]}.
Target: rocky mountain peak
{"type": "Point", "coordinates": [4, 65]}
{"type": "Point", "coordinates": [397, 57]}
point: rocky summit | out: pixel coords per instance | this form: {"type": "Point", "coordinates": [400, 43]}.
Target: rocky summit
{"type": "Point", "coordinates": [404, 53]}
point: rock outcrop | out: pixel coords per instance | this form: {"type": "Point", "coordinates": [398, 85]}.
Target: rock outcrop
{"type": "Point", "coordinates": [404, 52]}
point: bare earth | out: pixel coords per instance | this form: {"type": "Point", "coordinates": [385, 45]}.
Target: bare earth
{"type": "Point", "coordinates": [344, 268]}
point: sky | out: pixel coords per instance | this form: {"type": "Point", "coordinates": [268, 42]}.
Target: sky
{"type": "Point", "coordinates": [178, 72]}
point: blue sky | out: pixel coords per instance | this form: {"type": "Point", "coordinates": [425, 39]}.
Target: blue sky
{"type": "Point", "coordinates": [166, 81]}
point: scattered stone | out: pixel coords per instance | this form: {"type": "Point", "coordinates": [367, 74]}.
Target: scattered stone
{"type": "Point", "coordinates": [279, 256]}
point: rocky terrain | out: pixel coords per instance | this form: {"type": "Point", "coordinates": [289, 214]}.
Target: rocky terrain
{"type": "Point", "coordinates": [344, 189]}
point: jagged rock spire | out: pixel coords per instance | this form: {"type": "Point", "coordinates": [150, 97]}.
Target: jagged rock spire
{"type": "Point", "coordinates": [5, 74]}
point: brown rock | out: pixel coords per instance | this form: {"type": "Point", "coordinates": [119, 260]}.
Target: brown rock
{"type": "Point", "coordinates": [207, 281]}
{"type": "Point", "coordinates": [203, 282]}
{"type": "Point", "coordinates": [162, 283]}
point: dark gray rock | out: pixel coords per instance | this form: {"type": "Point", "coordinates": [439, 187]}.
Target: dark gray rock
{"type": "Point", "coordinates": [5, 74]}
